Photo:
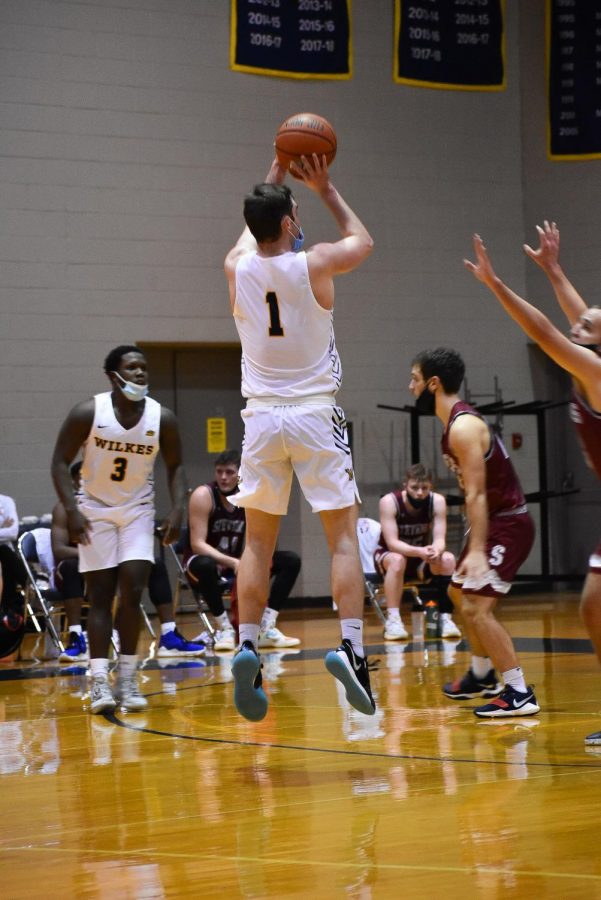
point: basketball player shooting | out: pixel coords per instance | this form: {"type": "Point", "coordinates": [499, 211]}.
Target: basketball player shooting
{"type": "Point", "coordinates": [282, 299]}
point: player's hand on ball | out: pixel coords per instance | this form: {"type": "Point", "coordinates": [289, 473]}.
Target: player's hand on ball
{"type": "Point", "coordinates": [313, 171]}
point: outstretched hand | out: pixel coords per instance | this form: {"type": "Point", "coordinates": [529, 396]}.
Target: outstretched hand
{"type": "Point", "coordinates": [547, 254]}
{"type": "Point", "coordinates": [482, 269]}
{"type": "Point", "coordinates": [313, 172]}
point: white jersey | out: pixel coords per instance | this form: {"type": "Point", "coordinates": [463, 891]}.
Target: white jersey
{"type": "Point", "coordinates": [288, 346]}
{"type": "Point", "coordinates": [118, 463]}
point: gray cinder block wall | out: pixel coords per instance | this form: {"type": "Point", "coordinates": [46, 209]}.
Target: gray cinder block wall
{"type": "Point", "coordinates": [126, 144]}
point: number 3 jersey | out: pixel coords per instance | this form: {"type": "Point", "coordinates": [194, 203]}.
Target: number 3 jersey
{"type": "Point", "coordinates": [118, 462]}
{"type": "Point", "coordinates": [288, 346]}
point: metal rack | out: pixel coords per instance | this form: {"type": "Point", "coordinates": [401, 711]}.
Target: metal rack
{"type": "Point", "coordinates": [542, 497]}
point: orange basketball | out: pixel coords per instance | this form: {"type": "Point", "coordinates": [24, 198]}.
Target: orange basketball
{"type": "Point", "coordinates": [302, 135]}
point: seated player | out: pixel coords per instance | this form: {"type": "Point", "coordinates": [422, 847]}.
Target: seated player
{"type": "Point", "coordinates": [216, 539]}
{"type": "Point", "coordinates": [412, 548]}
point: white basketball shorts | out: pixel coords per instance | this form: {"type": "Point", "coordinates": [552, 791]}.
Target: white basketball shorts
{"type": "Point", "coordinates": [312, 442]}
{"type": "Point", "coordinates": [119, 534]}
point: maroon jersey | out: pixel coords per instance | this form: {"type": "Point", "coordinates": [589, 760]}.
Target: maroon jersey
{"type": "Point", "coordinates": [503, 489]}
{"type": "Point", "coordinates": [588, 429]}
{"type": "Point", "coordinates": [414, 528]}
{"type": "Point", "coordinates": [226, 527]}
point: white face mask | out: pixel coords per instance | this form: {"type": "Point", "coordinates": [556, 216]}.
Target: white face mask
{"type": "Point", "coordinates": [131, 390]}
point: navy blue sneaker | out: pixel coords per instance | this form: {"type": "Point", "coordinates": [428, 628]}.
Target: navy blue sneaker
{"type": "Point", "coordinates": [249, 696]}
{"type": "Point", "coordinates": [469, 687]}
{"type": "Point", "coordinates": [351, 670]}
{"type": "Point", "coordinates": [509, 703]}
{"type": "Point", "coordinates": [593, 740]}
{"type": "Point", "coordinates": [76, 650]}
{"type": "Point", "coordinates": [174, 644]}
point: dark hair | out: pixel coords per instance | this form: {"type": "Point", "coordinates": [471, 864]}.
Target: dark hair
{"type": "Point", "coordinates": [418, 472]}
{"type": "Point", "coordinates": [445, 363]}
{"type": "Point", "coordinates": [75, 469]}
{"type": "Point", "coordinates": [264, 209]}
{"type": "Point", "coordinates": [111, 363]}
{"type": "Point", "coordinates": [227, 457]}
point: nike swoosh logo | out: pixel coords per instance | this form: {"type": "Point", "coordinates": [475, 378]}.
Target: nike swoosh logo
{"type": "Point", "coordinates": [102, 426]}
{"type": "Point", "coordinates": [523, 703]}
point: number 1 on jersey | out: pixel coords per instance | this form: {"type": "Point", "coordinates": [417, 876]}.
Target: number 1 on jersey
{"type": "Point", "coordinates": [275, 327]}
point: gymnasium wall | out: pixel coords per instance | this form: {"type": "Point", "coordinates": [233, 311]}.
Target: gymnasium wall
{"type": "Point", "coordinates": [126, 144]}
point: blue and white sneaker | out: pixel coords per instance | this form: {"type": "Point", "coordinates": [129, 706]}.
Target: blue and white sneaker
{"type": "Point", "coordinates": [249, 696]}
{"type": "Point", "coordinates": [352, 671]}
{"type": "Point", "coordinates": [509, 703]}
{"type": "Point", "coordinates": [76, 650]}
{"type": "Point", "coordinates": [174, 644]}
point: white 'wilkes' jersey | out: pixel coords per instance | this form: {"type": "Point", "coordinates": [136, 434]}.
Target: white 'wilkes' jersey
{"type": "Point", "coordinates": [118, 463]}
{"type": "Point", "coordinates": [288, 346]}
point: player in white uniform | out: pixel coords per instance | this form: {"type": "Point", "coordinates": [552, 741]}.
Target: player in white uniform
{"type": "Point", "coordinates": [112, 517]}
{"type": "Point", "coordinates": [282, 300]}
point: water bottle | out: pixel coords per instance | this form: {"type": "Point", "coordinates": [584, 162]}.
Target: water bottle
{"type": "Point", "coordinates": [417, 621]}
{"type": "Point", "coordinates": [432, 619]}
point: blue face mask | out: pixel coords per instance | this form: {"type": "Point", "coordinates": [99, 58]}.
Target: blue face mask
{"type": "Point", "coordinates": [131, 390]}
{"type": "Point", "coordinates": [298, 242]}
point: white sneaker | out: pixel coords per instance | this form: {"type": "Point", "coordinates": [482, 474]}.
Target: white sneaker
{"type": "Point", "coordinates": [225, 639]}
{"type": "Point", "coordinates": [448, 629]}
{"type": "Point", "coordinates": [127, 694]}
{"type": "Point", "coordinates": [101, 696]}
{"type": "Point", "coordinates": [395, 630]}
{"type": "Point", "coordinates": [273, 637]}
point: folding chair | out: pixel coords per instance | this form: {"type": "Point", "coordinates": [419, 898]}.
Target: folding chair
{"type": "Point", "coordinates": [35, 551]}
{"type": "Point", "coordinates": [368, 535]}
{"type": "Point", "coordinates": [183, 584]}
{"type": "Point", "coordinates": [38, 593]}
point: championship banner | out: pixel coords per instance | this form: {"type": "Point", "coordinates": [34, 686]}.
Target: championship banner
{"type": "Point", "coordinates": [291, 38]}
{"type": "Point", "coordinates": [574, 79]}
{"type": "Point", "coordinates": [450, 44]}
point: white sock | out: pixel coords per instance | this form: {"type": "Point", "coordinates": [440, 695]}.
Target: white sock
{"type": "Point", "coordinates": [249, 633]}
{"type": "Point", "coordinates": [352, 630]}
{"type": "Point", "coordinates": [166, 627]}
{"type": "Point", "coordinates": [223, 621]}
{"type": "Point", "coordinates": [515, 678]}
{"type": "Point", "coordinates": [481, 666]}
{"type": "Point", "coordinates": [75, 628]}
{"type": "Point", "coordinates": [99, 668]}
{"type": "Point", "coordinates": [394, 615]}
{"type": "Point", "coordinates": [127, 664]}
{"type": "Point", "coordinates": [269, 618]}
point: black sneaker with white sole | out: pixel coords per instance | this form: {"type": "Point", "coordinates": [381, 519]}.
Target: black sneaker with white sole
{"type": "Point", "coordinates": [593, 740]}
{"type": "Point", "coordinates": [351, 670]}
{"type": "Point", "coordinates": [509, 703]}
{"type": "Point", "coordinates": [469, 687]}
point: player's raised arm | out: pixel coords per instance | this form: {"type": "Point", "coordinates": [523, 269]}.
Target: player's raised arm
{"type": "Point", "coordinates": [577, 360]}
{"type": "Point", "coordinates": [356, 244]}
{"type": "Point", "coordinates": [246, 242]}
{"type": "Point", "coordinates": [547, 257]}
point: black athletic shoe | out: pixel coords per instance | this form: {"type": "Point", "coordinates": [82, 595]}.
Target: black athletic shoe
{"type": "Point", "coordinates": [351, 671]}
{"type": "Point", "coordinates": [469, 687]}
{"type": "Point", "coordinates": [249, 696]}
{"type": "Point", "coordinates": [593, 740]}
{"type": "Point", "coordinates": [510, 703]}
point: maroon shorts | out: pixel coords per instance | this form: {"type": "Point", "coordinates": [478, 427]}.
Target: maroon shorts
{"type": "Point", "coordinates": [594, 563]}
{"type": "Point", "coordinates": [415, 570]}
{"type": "Point", "coordinates": [508, 545]}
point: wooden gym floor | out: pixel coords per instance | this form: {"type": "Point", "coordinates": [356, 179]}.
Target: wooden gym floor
{"type": "Point", "coordinates": [421, 801]}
